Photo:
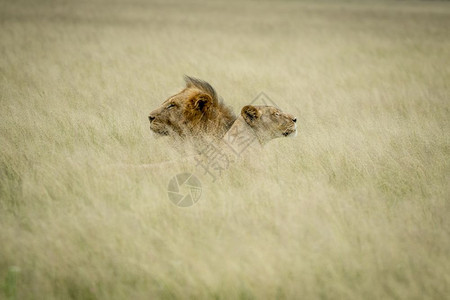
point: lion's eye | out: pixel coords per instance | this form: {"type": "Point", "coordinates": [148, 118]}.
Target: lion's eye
{"type": "Point", "coordinates": [170, 105]}
{"type": "Point", "coordinates": [277, 114]}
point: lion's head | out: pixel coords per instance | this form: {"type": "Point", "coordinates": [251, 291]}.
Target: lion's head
{"type": "Point", "coordinates": [195, 112]}
{"type": "Point", "coordinates": [268, 122]}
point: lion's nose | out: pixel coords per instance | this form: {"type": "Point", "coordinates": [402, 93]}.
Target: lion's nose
{"type": "Point", "coordinates": [294, 119]}
{"type": "Point", "coordinates": [151, 118]}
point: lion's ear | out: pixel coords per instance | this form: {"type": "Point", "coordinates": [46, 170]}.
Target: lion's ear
{"type": "Point", "coordinates": [202, 85]}
{"type": "Point", "coordinates": [250, 114]}
{"type": "Point", "coordinates": [202, 102]}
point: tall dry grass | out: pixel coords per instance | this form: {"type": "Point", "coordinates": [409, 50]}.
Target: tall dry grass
{"type": "Point", "coordinates": [356, 207]}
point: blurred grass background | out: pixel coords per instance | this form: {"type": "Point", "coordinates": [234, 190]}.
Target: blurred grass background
{"type": "Point", "coordinates": [356, 207]}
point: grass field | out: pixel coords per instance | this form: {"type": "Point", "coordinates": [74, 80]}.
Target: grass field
{"type": "Point", "coordinates": [356, 207]}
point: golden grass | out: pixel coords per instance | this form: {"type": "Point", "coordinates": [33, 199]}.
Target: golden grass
{"type": "Point", "coordinates": [356, 207]}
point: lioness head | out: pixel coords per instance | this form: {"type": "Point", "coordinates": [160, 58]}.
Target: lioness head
{"type": "Point", "coordinates": [194, 112]}
{"type": "Point", "coordinates": [269, 122]}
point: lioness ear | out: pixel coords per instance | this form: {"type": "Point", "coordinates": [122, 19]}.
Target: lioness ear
{"type": "Point", "coordinates": [250, 114]}
{"type": "Point", "coordinates": [202, 102]}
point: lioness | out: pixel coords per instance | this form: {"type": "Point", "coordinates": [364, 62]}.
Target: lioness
{"type": "Point", "coordinates": [195, 112]}
{"type": "Point", "coordinates": [258, 125]}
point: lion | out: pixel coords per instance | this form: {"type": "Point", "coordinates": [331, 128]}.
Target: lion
{"type": "Point", "coordinates": [194, 113]}
{"type": "Point", "coordinates": [257, 125]}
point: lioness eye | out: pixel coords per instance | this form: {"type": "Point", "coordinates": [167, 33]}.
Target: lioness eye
{"type": "Point", "coordinates": [171, 105]}
{"type": "Point", "coordinates": [277, 114]}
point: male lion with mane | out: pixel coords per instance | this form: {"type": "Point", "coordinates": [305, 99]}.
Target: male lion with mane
{"type": "Point", "coordinates": [194, 113]}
